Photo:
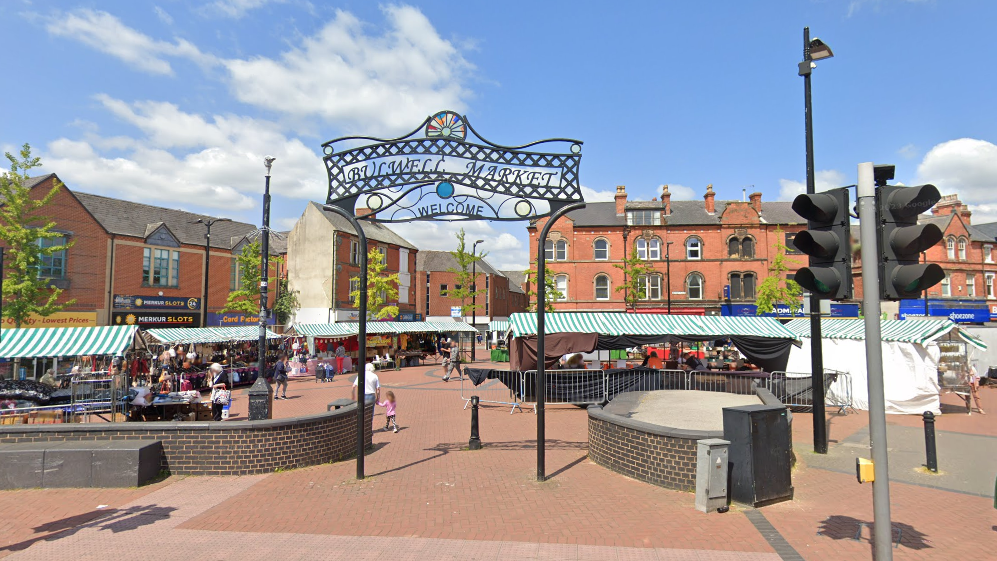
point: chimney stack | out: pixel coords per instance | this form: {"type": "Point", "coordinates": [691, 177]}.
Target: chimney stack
{"type": "Point", "coordinates": [363, 212]}
{"type": "Point", "coordinates": [710, 206]}
{"type": "Point", "coordinates": [756, 201]}
{"type": "Point", "coordinates": [621, 200]}
{"type": "Point", "coordinates": [666, 198]}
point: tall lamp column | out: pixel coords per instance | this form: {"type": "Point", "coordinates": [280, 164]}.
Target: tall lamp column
{"type": "Point", "coordinates": [265, 266]}
{"type": "Point", "coordinates": [668, 272]}
{"type": "Point", "coordinates": [207, 263]}
{"type": "Point", "coordinates": [814, 50]}
{"type": "Point", "coordinates": [474, 294]}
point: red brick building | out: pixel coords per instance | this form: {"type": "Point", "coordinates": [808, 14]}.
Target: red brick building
{"type": "Point", "coordinates": [135, 263]}
{"type": "Point", "coordinates": [433, 279]}
{"type": "Point", "coordinates": [706, 245]}
{"type": "Point", "coordinates": [323, 265]}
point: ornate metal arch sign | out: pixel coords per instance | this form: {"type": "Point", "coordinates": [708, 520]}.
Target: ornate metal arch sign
{"type": "Point", "coordinates": [437, 173]}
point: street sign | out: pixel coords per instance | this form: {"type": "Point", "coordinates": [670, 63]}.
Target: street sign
{"type": "Point", "coordinates": [455, 312]}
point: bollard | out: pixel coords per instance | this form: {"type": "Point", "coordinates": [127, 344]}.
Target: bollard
{"type": "Point", "coordinates": [929, 441]}
{"type": "Point", "coordinates": [475, 442]}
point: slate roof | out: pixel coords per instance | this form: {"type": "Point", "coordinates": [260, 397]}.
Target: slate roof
{"type": "Point", "coordinates": [983, 232]}
{"type": "Point", "coordinates": [434, 261]}
{"type": "Point", "coordinates": [516, 280]}
{"type": "Point", "coordinates": [684, 213]}
{"type": "Point", "coordinates": [373, 230]}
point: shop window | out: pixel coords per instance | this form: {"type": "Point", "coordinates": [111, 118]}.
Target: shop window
{"type": "Point", "coordinates": [52, 266]}
{"type": "Point", "coordinates": [602, 287]}
{"type": "Point", "coordinates": [601, 250]}
{"type": "Point", "coordinates": [160, 267]}
{"type": "Point", "coordinates": [694, 286]}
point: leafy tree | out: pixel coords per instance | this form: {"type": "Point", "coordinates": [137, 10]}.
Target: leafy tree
{"type": "Point", "coordinates": [381, 289]}
{"type": "Point", "coordinates": [552, 294]}
{"type": "Point", "coordinates": [776, 288]}
{"type": "Point", "coordinates": [287, 302]}
{"type": "Point", "coordinates": [23, 231]}
{"type": "Point", "coordinates": [246, 297]}
{"type": "Point", "coordinates": [464, 277]}
{"type": "Point", "coordinates": [634, 288]}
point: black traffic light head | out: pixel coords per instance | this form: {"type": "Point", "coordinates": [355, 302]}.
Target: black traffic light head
{"type": "Point", "coordinates": [827, 240]}
{"type": "Point", "coordinates": [901, 240]}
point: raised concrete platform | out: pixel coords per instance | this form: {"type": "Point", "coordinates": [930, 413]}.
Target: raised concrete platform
{"type": "Point", "coordinates": [107, 463]}
{"type": "Point", "coordinates": [682, 409]}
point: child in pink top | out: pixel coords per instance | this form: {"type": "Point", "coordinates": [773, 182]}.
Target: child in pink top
{"type": "Point", "coordinates": [389, 406]}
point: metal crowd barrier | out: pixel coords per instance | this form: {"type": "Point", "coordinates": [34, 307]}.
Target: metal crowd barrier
{"type": "Point", "coordinates": [575, 387]}
{"type": "Point", "coordinates": [795, 389]}
{"type": "Point", "coordinates": [96, 396]}
{"type": "Point", "coordinates": [496, 391]}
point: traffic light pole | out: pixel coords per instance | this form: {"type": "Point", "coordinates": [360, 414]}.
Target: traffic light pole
{"type": "Point", "coordinates": [816, 341]}
{"type": "Point", "coordinates": [882, 528]}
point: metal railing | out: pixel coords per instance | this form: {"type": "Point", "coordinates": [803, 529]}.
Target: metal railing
{"type": "Point", "coordinates": [795, 389]}
{"type": "Point", "coordinates": [575, 387]}
{"type": "Point", "coordinates": [510, 392]}
{"type": "Point", "coordinates": [96, 396]}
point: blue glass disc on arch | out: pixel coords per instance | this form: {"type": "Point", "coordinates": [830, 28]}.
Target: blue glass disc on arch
{"type": "Point", "coordinates": [444, 190]}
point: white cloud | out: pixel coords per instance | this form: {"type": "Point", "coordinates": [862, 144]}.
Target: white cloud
{"type": "Point", "coordinates": [593, 196]}
{"type": "Point", "coordinates": [908, 151]}
{"type": "Point", "coordinates": [235, 8]}
{"type": "Point", "coordinates": [505, 250]}
{"type": "Point", "coordinates": [380, 84]}
{"type": "Point", "coordinates": [680, 192]}
{"type": "Point", "coordinates": [185, 158]}
{"type": "Point", "coordinates": [163, 15]}
{"type": "Point", "coordinates": [823, 180]}
{"type": "Point", "coordinates": [966, 166]}
{"type": "Point", "coordinates": [106, 33]}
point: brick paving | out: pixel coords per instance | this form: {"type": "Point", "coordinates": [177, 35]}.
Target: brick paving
{"type": "Point", "coordinates": [428, 497]}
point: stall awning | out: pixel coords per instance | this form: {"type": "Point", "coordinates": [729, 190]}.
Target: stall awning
{"type": "Point", "coordinates": [208, 334]}
{"type": "Point", "coordinates": [920, 331]}
{"type": "Point", "coordinates": [651, 324]}
{"type": "Point", "coordinates": [242, 333]}
{"type": "Point", "coordinates": [499, 325]}
{"type": "Point", "coordinates": [68, 341]}
{"type": "Point", "coordinates": [347, 329]}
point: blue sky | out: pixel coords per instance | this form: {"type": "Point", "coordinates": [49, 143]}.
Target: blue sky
{"type": "Point", "coordinates": [175, 102]}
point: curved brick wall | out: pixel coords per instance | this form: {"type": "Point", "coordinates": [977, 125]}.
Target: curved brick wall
{"type": "Point", "coordinates": [225, 447]}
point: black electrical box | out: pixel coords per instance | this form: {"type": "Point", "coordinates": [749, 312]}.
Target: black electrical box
{"type": "Point", "coordinates": [760, 454]}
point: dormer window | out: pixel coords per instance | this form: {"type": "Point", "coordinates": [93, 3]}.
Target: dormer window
{"type": "Point", "coordinates": [644, 217]}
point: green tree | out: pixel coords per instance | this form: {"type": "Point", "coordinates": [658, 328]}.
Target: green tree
{"type": "Point", "coordinates": [464, 278]}
{"type": "Point", "coordinates": [25, 233]}
{"type": "Point", "coordinates": [776, 288]}
{"type": "Point", "coordinates": [635, 287]}
{"type": "Point", "coordinates": [287, 302]}
{"type": "Point", "coordinates": [381, 288]}
{"type": "Point", "coordinates": [552, 294]}
{"type": "Point", "coordinates": [246, 297]}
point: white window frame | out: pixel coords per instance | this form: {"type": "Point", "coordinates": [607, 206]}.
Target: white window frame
{"type": "Point", "coordinates": [971, 285]}
{"type": "Point", "coordinates": [988, 253]}
{"type": "Point", "coordinates": [950, 247]}
{"type": "Point", "coordinates": [384, 254]}
{"type": "Point", "coordinates": [608, 286]}
{"type": "Point", "coordinates": [561, 250]}
{"type": "Point", "coordinates": [654, 249]}
{"type": "Point", "coordinates": [947, 285]}
{"type": "Point", "coordinates": [694, 244]}
{"type": "Point", "coordinates": [596, 249]}
{"type": "Point", "coordinates": [354, 252]}
{"type": "Point", "coordinates": [559, 282]}
{"type": "Point", "coordinates": [688, 286]}
{"type": "Point", "coordinates": [962, 249]}
{"type": "Point", "coordinates": [354, 285]}
{"type": "Point", "coordinates": [642, 248]}
{"type": "Point", "coordinates": [652, 286]}
{"type": "Point", "coordinates": [988, 279]}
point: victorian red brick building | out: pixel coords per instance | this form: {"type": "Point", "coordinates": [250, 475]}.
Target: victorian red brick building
{"type": "Point", "coordinates": [502, 296]}
{"type": "Point", "coordinates": [705, 245]}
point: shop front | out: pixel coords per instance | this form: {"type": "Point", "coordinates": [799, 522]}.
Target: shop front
{"type": "Point", "coordinates": [957, 310]}
{"type": "Point", "coordinates": [149, 312]}
{"type": "Point", "coordinates": [838, 310]}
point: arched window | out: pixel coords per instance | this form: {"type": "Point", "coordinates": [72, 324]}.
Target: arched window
{"type": "Point", "coordinates": [601, 249]}
{"type": "Point", "coordinates": [733, 247]}
{"type": "Point", "coordinates": [962, 249]}
{"type": "Point", "coordinates": [747, 248]}
{"type": "Point", "coordinates": [950, 247]}
{"type": "Point", "coordinates": [561, 284]}
{"type": "Point", "coordinates": [654, 249]}
{"type": "Point", "coordinates": [651, 284]}
{"type": "Point", "coordinates": [602, 287]}
{"type": "Point", "coordinates": [642, 248]}
{"type": "Point", "coordinates": [556, 251]}
{"type": "Point", "coordinates": [693, 248]}
{"type": "Point", "coordinates": [694, 286]}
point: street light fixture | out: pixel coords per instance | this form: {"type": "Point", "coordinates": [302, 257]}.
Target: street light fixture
{"type": "Point", "coordinates": [265, 266]}
{"type": "Point", "coordinates": [209, 222]}
{"type": "Point", "coordinates": [818, 50]}
{"type": "Point", "coordinates": [474, 293]}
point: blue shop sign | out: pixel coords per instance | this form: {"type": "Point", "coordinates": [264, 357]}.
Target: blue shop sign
{"type": "Point", "coordinates": [235, 319]}
{"type": "Point", "coordinates": [409, 316]}
{"type": "Point", "coordinates": [838, 310]}
{"type": "Point", "coordinates": [959, 311]}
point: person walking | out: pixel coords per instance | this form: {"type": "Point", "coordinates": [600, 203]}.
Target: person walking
{"type": "Point", "coordinates": [219, 390]}
{"type": "Point", "coordinates": [340, 357]}
{"type": "Point", "coordinates": [280, 375]}
{"type": "Point", "coordinates": [389, 410]}
{"type": "Point", "coordinates": [372, 386]}
{"type": "Point", "coordinates": [451, 360]}
{"type": "Point", "coordinates": [973, 377]}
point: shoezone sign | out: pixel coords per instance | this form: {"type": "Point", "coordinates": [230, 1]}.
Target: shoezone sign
{"type": "Point", "coordinates": [437, 173]}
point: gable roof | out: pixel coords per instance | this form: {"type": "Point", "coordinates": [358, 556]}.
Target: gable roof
{"type": "Point", "coordinates": [516, 280]}
{"type": "Point", "coordinates": [126, 218]}
{"type": "Point", "coordinates": [983, 232]}
{"type": "Point", "coordinates": [442, 261]}
{"type": "Point", "coordinates": [684, 213]}
{"type": "Point", "coordinates": [373, 230]}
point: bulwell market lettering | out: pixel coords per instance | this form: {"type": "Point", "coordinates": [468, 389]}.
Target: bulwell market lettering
{"type": "Point", "coordinates": [439, 168]}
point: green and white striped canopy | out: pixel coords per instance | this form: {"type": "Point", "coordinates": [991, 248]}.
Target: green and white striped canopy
{"type": "Point", "coordinates": [68, 341]}
{"type": "Point", "coordinates": [920, 331]}
{"type": "Point", "coordinates": [209, 334]}
{"type": "Point", "coordinates": [242, 333]}
{"type": "Point", "coordinates": [616, 324]}
{"type": "Point", "coordinates": [499, 325]}
{"type": "Point", "coordinates": [347, 329]}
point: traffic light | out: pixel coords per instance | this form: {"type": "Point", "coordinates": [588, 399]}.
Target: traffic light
{"type": "Point", "coordinates": [901, 240]}
{"type": "Point", "coordinates": [827, 241]}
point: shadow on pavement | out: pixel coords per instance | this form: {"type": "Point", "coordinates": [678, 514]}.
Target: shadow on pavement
{"type": "Point", "coordinates": [848, 528]}
{"type": "Point", "coordinates": [111, 519]}
{"type": "Point", "coordinates": [445, 448]}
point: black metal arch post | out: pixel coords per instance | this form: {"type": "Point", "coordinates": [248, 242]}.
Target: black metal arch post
{"type": "Point", "coordinates": [541, 352]}
{"type": "Point", "coordinates": [361, 334]}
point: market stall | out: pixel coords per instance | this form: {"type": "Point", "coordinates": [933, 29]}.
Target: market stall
{"type": "Point", "coordinates": [918, 355]}
{"type": "Point", "coordinates": [232, 347]}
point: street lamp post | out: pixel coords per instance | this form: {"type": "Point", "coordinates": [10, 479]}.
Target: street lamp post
{"type": "Point", "coordinates": [474, 293]}
{"type": "Point", "coordinates": [626, 254]}
{"type": "Point", "coordinates": [207, 262]}
{"type": "Point", "coordinates": [814, 50]}
{"type": "Point", "coordinates": [668, 272]}
{"type": "Point", "coordinates": [265, 265]}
